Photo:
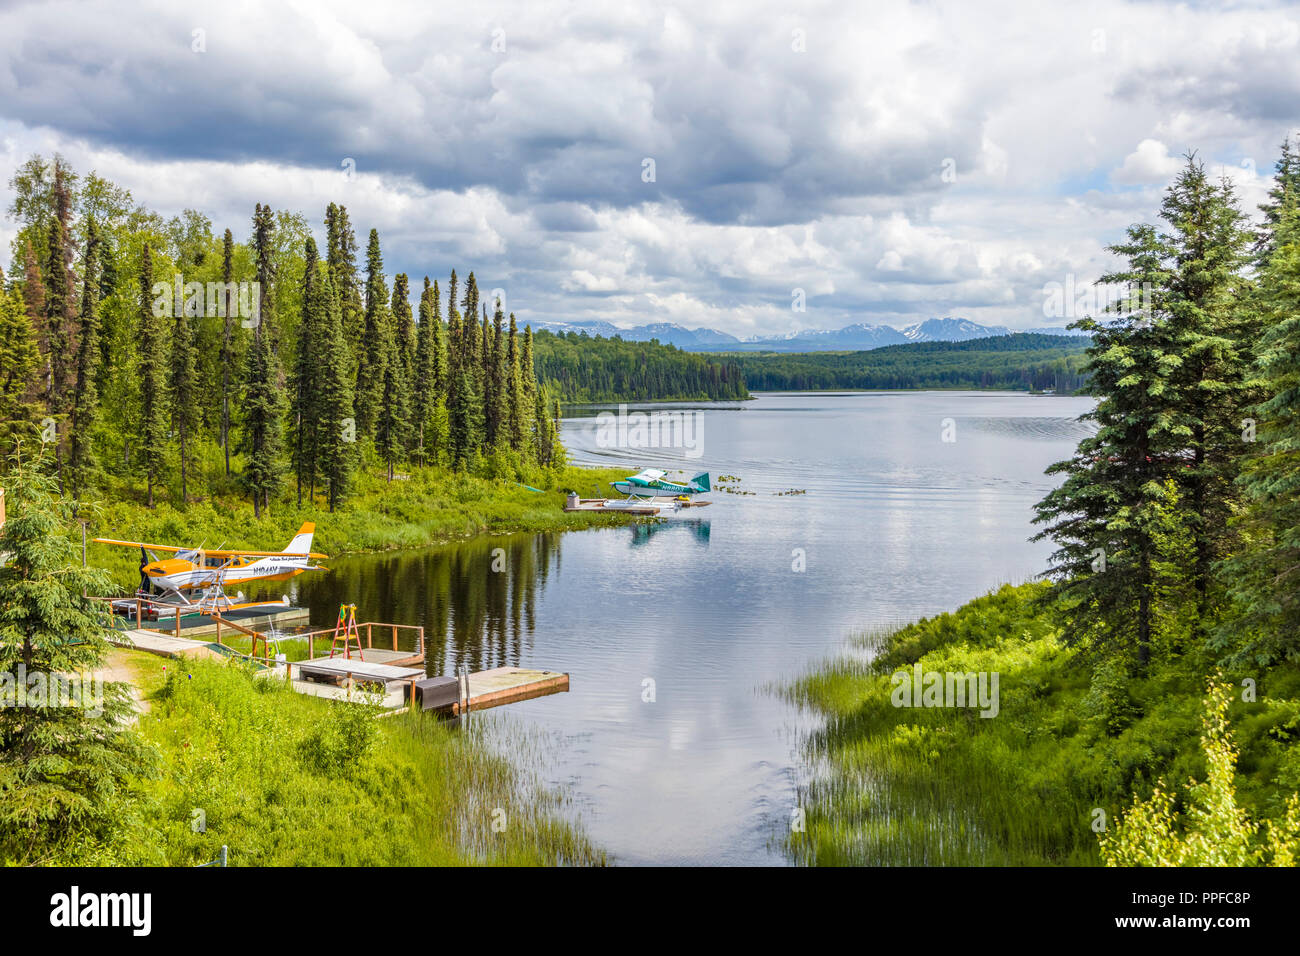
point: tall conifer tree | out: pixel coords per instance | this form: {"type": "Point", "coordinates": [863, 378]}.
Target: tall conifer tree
{"type": "Point", "coordinates": [1212, 326]}
{"type": "Point", "coordinates": [514, 389]}
{"type": "Point", "coordinates": [425, 393]}
{"type": "Point", "coordinates": [85, 397]}
{"type": "Point", "coordinates": [60, 299]}
{"type": "Point", "coordinates": [20, 358]}
{"type": "Point", "coordinates": [1109, 518]}
{"type": "Point", "coordinates": [227, 339]}
{"type": "Point", "coordinates": [263, 402]}
{"type": "Point", "coordinates": [304, 411]}
{"type": "Point", "coordinates": [337, 423]}
{"type": "Point", "coordinates": [183, 384]}
{"type": "Point", "coordinates": [151, 427]}
{"type": "Point", "coordinates": [393, 421]}
{"type": "Point", "coordinates": [374, 344]}
{"type": "Point", "coordinates": [341, 255]}
{"type": "Point", "coordinates": [68, 763]}
{"type": "Point", "coordinates": [404, 329]}
{"type": "Point", "coordinates": [1264, 575]}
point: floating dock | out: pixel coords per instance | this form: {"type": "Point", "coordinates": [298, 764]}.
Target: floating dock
{"type": "Point", "coordinates": [164, 645]}
{"type": "Point", "coordinates": [335, 678]}
{"type": "Point", "coordinates": [393, 671]}
{"type": "Point", "coordinates": [505, 685]}
{"type": "Point", "coordinates": [629, 506]}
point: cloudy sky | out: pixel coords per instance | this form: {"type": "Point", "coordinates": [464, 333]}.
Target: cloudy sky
{"type": "Point", "coordinates": [691, 163]}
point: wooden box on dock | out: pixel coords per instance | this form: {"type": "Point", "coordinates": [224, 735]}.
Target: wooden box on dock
{"type": "Point", "coordinates": [437, 693]}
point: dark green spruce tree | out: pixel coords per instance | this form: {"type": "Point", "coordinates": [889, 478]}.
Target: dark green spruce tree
{"type": "Point", "coordinates": [69, 759]}
{"type": "Point", "coordinates": [528, 398]}
{"type": "Point", "coordinates": [263, 410]}
{"type": "Point", "coordinates": [404, 329]}
{"type": "Point", "coordinates": [464, 396]}
{"type": "Point", "coordinates": [374, 341]}
{"type": "Point", "coordinates": [20, 360]}
{"type": "Point", "coordinates": [498, 392]}
{"type": "Point", "coordinates": [1263, 576]}
{"type": "Point", "coordinates": [183, 384]}
{"type": "Point", "coordinates": [263, 401]}
{"type": "Point", "coordinates": [1212, 326]}
{"type": "Point", "coordinates": [1109, 518]}
{"type": "Point", "coordinates": [471, 334]}
{"type": "Point", "coordinates": [227, 339]}
{"type": "Point", "coordinates": [85, 395]}
{"type": "Point", "coordinates": [391, 428]}
{"type": "Point", "coordinates": [304, 408]}
{"type": "Point", "coordinates": [514, 390]}
{"type": "Point", "coordinates": [341, 254]}
{"type": "Point", "coordinates": [1286, 182]}
{"type": "Point", "coordinates": [151, 426]}
{"type": "Point", "coordinates": [337, 426]}
{"type": "Point", "coordinates": [60, 298]}
{"type": "Point", "coordinates": [425, 374]}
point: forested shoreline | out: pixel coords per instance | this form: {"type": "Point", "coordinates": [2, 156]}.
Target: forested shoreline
{"type": "Point", "coordinates": [581, 368]}
{"type": "Point", "coordinates": [1150, 691]}
{"type": "Point", "coordinates": [1028, 361]}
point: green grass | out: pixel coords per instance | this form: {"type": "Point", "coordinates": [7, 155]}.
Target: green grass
{"type": "Point", "coordinates": [284, 779]}
{"type": "Point", "coordinates": [148, 671]}
{"type": "Point", "coordinates": [432, 506]}
{"type": "Point", "coordinates": [944, 786]}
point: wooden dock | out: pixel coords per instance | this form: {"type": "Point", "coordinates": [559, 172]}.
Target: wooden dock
{"type": "Point", "coordinates": [649, 506]}
{"type": "Point", "coordinates": [164, 645]}
{"type": "Point", "coordinates": [602, 504]}
{"type": "Point", "coordinates": [355, 669]}
{"type": "Point", "coordinates": [487, 689]}
{"type": "Point", "coordinates": [392, 670]}
{"type": "Point", "coordinates": [505, 685]}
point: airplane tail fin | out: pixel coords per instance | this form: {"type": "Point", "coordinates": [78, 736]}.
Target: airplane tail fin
{"type": "Point", "coordinates": [701, 481]}
{"type": "Point", "coordinates": [301, 543]}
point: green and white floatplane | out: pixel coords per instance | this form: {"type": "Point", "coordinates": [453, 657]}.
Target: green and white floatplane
{"type": "Point", "coordinates": [652, 483]}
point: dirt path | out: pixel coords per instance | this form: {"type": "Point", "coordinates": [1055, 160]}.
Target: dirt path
{"type": "Point", "coordinates": [117, 670]}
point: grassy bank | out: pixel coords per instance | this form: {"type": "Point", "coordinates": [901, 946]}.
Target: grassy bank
{"type": "Point", "coordinates": [943, 785]}
{"type": "Point", "coordinates": [285, 779]}
{"type": "Point", "coordinates": [431, 506]}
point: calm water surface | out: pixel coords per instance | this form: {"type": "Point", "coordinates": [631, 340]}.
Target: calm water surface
{"type": "Point", "coordinates": [895, 523]}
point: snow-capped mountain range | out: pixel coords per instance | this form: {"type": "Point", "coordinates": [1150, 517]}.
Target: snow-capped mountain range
{"type": "Point", "coordinates": [858, 337]}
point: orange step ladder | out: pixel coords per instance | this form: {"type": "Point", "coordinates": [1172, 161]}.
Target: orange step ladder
{"type": "Point", "coordinates": [345, 630]}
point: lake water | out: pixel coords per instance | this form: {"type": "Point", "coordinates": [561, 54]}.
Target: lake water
{"type": "Point", "coordinates": [912, 503]}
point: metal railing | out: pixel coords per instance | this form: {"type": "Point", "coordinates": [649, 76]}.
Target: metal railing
{"type": "Point", "coordinates": [219, 861]}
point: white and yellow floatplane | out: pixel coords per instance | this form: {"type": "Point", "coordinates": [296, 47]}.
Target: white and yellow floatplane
{"type": "Point", "coordinates": [195, 578]}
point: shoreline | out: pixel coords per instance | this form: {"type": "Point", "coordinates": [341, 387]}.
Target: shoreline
{"type": "Point", "coordinates": [430, 508]}
{"type": "Point", "coordinates": [894, 782]}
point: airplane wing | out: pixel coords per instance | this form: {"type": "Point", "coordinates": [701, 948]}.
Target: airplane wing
{"type": "Point", "coordinates": [139, 544]}
{"type": "Point", "coordinates": [210, 552]}
{"type": "Point", "coordinates": [260, 554]}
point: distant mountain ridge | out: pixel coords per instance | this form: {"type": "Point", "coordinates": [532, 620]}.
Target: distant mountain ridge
{"type": "Point", "coordinates": [859, 337]}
